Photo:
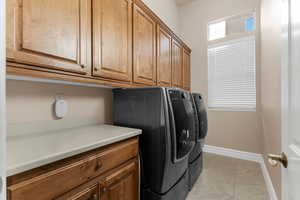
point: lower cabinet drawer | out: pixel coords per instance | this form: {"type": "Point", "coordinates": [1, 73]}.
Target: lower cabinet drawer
{"type": "Point", "coordinates": [88, 193]}
{"type": "Point", "coordinates": [120, 183]}
{"type": "Point", "coordinates": [53, 183]}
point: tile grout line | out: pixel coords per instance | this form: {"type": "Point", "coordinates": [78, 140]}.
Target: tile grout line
{"type": "Point", "coordinates": [243, 155]}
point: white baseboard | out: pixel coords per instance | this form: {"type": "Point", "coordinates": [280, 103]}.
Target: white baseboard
{"type": "Point", "coordinates": [243, 155]}
{"type": "Point", "coordinates": [268, 181]}
{"type": "Point", "coordinates": [233, 153]}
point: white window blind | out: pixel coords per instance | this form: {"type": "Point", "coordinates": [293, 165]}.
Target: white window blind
{"type": "Point", "coordinates": [231, 74]}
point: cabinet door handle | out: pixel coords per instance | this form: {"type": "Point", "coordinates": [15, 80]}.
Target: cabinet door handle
{"type": "Point", "coordinates": [99, 165]}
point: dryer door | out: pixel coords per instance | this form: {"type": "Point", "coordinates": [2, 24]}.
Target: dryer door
{"type": "Point", "coordinates": [183, 129]}
{"type": "Point", "coordinates": [202, 117]}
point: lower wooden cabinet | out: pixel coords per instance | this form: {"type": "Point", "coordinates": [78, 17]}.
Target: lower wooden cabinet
{"type": "Point", "coordinates": [88, 193]}
{"type": "Point", "coordinates": [108, 173]}
{"type": "Point", "coordinates": [121, 185]}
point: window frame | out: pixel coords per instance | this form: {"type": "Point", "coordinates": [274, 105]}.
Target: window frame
{"type": "Point", "coordinates": [237, 35]}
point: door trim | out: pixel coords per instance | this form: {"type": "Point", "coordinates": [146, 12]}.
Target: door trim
{"type": "Point", "coordinates": [285, 68]}
{"type": "Point", "coordinates": [3, 98]}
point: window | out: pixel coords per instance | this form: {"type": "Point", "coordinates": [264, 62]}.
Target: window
{"type": "Point", "coordinates": [235, 25]}
{"type": "Point", "coordinates": [232, 74]}
{"type": "Point", "coordinates": [249, 25]}
{"type": "Point", "coordinates": [217, 30]}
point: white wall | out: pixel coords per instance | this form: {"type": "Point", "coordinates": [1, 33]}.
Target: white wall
{"type": "Point", "coordinates": [239, 130]}
{"type": "Point", "coordinates": [167, 10]}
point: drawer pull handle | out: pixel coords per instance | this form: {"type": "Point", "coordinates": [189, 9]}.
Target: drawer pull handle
{"type": "Point", "coordinates": [104, 190]}
{"type": "Point", "coordinates": [98, 166]}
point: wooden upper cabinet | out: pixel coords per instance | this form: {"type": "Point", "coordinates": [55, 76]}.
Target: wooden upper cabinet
{"type": "Point", "coordinates": [177, 71]}
{"type": "Point", "coordinates": [112, 39]}
{"type": "Point", "coordinates": [144, 47]}
{"type": "Point", "coordinates": [186, 60]}
{"type": "Point", "coordinates": [164, 57]}
{"type": "Point", "coordinates": [49, 34]}
{"type": "Point", "coordinates": [122, 184]}
{"type": "Point", "coordinates": [111, 42]}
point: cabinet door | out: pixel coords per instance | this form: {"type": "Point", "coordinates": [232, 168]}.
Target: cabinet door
{"type": "Point", "coordinates": [144, 44]}
{"type": "Point", "coordinates": [164, 57]}
{"type": "Point", "coordinates": [49, 34]}
{"type": "Point", "coordinates": [87, 193]}
{"type": "Point", "coordinates": [177, 72]}
{"type": "Point", "coordinates": [112, 39]}
{"type": "Point", "coordinates": [186, 60]}
{"type": "Point", "coordinates": [122, 184]}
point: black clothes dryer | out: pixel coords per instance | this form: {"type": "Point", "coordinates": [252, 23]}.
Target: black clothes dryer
{"type": "Point", "coordinates": [166, 117]}
{"type": "Point", "coordinates": [196, 157]}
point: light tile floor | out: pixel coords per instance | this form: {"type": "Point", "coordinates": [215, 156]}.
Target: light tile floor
{"type": "Point", "coordinates": [225, 178]}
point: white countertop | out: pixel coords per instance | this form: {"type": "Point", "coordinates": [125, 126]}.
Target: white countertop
{"type": "Point", "coordinates": [25, 152]}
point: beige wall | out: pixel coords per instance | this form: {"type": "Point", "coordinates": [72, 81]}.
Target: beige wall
{"type": "Point", "coordinates": [239, 130]}
{"type": "Point", "coordinates": [30, 106]}
{"type": "Point", "coordinates": [271, 84]}
{"type": "Point", "coordinates": [167, 10]}
{"type": "Point", "coordinates": [234, 129]}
